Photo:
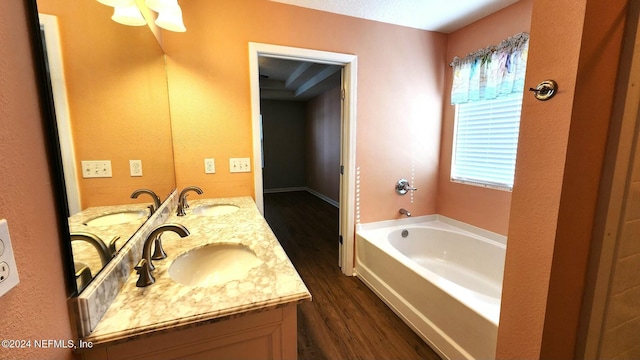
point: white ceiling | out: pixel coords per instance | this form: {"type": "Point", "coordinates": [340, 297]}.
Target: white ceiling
{"type": "Point", "coordinates": [434, 15]}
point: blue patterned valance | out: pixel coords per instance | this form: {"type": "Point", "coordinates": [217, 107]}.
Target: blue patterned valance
{"type": "Point", "coordinates": [491, 72]}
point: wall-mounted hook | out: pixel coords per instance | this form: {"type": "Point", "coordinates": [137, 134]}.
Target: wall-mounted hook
{"type": "Point", "coordinates": [545, 90]}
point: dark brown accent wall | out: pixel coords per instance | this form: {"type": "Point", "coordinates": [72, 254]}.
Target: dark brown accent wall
{"type": "Point", "coordinates": [283, 127]}
{"type": "Point", "coordinates": [323, 144]}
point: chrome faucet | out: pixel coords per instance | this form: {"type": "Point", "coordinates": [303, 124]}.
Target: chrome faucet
{"type": "Point", "coordinates": [403, 187]}
{"type": "Point", "coordinates": [145, 266]}
{"type": "Point", "coordinates": [404, 211]}
{"type": "Point", "coordinates": [156, 199]}
{"type": "Point", "coordinates": [106, 252]}
{"type": "Point", "coordinates": [182, 199]}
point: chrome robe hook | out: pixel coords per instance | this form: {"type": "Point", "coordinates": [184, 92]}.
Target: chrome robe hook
{"type": "Point", "coordinates": [545, 90]}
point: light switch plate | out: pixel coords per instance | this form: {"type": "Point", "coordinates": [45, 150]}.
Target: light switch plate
{"type": "Point", "coordinates": [8, 270]}
{"type": "Point", "coordinates": [237, 165]}
{"type": "Point", "coordinates": [96, 169]}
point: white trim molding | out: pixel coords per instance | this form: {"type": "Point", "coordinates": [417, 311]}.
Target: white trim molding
{"type": "Point", "coordinates": [349, 63]}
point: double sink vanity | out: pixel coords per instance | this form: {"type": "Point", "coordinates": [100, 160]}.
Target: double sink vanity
{"type": "Point", "coordinates": [225, 290]}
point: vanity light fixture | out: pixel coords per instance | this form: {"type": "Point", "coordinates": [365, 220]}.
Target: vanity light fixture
{"type": "Point", "coordinates": [169, 14]}
{"type": "Point", "coordinates": [125, 12]}
{"type": "Point", "coordinates": [128, 15]}
{"type": "Point", "coordinates": [159, 5]}
{"type": "Point", "coordinates": [114, 3]}
{"type": "Point", "coordinates": [171, 19]}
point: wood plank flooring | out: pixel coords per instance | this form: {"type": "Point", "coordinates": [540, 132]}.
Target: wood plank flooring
{"type": "Point", "coordinates": [345, 320]}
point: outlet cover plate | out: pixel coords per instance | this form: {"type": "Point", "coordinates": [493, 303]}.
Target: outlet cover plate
{"type": "Point", "coordinates": [209, 166]}
{"type": "Point", "coordinates": [8, 270]}
{"type": "Point", "coordinates": [135, 167]}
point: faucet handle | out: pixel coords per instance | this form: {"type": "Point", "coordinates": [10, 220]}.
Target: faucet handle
{"type": "Point", "coordinates": [112, 245]}
{"type": "Point", "coordinates": [185, 203]}
{"type": "Point", "coordinates": [158, 251]}
{"type": "Point", "coordinates": [403, 186]}
{"type": "Point", "coordinates": [146, 278]}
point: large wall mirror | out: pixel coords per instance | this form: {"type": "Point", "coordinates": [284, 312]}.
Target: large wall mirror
{"type": "Point", "coordinates": [112, 111]}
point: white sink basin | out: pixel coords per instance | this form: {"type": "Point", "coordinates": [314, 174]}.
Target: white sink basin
{"type": "Point", "coordinates": [215, 209]}
{"type": "Point", "coordinates": [117, 218]}
{"type": "Point", "coordinates": [213, 264]}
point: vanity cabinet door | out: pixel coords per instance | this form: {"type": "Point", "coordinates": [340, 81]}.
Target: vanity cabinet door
{"type": "Point", "coordinates": [264, 335]}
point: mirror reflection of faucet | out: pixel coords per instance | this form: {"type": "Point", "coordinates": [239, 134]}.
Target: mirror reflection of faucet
{"type": "Point", "coordinates": [106, 252]}
{"type": "Point", "coordinates": [403, 186]}
{"type": "Point", "coordinates": [83, 274]}
{"type": "Point", "coordinates": [182, 199]}
{"type": "Point", "coordinates": [156, 199]}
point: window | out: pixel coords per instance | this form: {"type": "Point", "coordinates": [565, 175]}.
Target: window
{"type": "Point", "coordinates": [485, 142]}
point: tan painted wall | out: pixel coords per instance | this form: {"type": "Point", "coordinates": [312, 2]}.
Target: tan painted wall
{"type": "Point", "coordinates": [36, 308]}
{"type": "Point", "coordinates": [485, 208]}
{"type": "Point", "coordinates": [559, 161]}
{"type": "Point", "coordinates": [118, 101]}
{"type": "Point", "coordinates": [400, 83]}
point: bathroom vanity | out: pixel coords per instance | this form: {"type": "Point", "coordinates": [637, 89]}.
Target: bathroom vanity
{"type": "Point", "coordinates": [242, 307]}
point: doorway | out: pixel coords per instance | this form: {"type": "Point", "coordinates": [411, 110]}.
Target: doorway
{"type": "Point", "coordinates": [347, 186]}
{"type": "Point", "coordinates": [611, 316]}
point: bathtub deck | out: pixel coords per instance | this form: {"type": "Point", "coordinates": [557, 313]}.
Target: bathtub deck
{"type": "Point", "coordinates": [345, 320]}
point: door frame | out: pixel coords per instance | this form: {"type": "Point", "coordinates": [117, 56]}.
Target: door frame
{"type": "Point", "coordinates": [614, 193]}
{"type": "Point", "coordinates": [349, 63]}
{"type": "Point", "coordinates": [53, 49]}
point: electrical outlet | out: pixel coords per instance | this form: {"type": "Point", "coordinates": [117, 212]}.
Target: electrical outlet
{"type": "Point", "coordinates": [209, 166]}
{"type": "Point", "coordinates": [135, 167]}
{"type": "Point", "coordinates": [96, 169]}
{"type": "Point", "coordinates": [239, 165]}
{"type": "Point", "coordinates": [8, 270]}
{"type": "Point", "coordinates": [4, 271]}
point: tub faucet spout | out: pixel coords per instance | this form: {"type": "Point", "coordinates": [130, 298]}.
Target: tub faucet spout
{"type": "Point", "coordinates": [404, 211]}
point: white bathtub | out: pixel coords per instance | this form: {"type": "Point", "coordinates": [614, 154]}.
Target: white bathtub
{"type": "Point", "coordinates": [444, 279]}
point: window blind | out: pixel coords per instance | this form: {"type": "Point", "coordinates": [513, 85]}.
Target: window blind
{"type": "Point", "coordinates": [486, 141]}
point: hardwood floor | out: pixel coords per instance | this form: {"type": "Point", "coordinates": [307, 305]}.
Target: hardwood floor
{"type": "Point", "coordinates": [345, 320]}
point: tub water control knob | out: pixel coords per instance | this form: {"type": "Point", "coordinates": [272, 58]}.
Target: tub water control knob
{"type": "Point", "coordinates": [402, 187]}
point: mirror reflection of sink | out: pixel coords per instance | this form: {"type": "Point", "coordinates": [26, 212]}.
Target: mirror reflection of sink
{"type": "Point", "coordinates": [215, 209]}
{"type": "Point", "coordinates": [117, 218]}
{"type": "Point", "coordinates": [213, 264]}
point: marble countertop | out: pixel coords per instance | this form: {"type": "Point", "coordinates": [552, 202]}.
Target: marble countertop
{"type": "Point", "coordinates": [167, 304]}
{"type": "Point", "coordinates": [84, 252]}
